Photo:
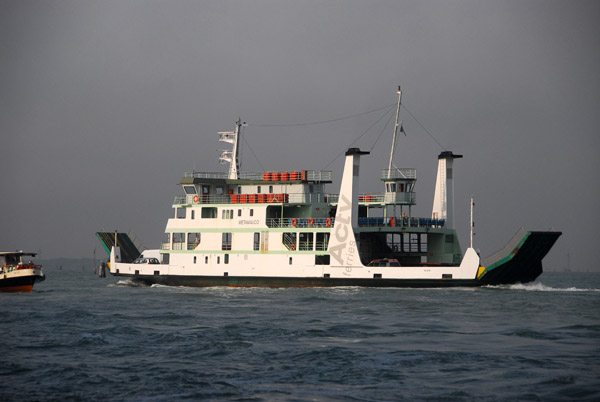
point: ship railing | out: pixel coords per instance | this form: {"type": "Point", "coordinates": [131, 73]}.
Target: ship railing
{"type": "Point", "coordinates": [300, 222]}
{"type": "Point", "coordinates": [287, 198]}
{"type": "Point", "coordinates": [506, 250]}
{"type": "Point", "coordinates": [321, 246]}
{"type": "Point", "coordinates": [378, 198]}
{"type": "Point", "coordinates": [388, 198]}
{"type": "Point", "coordinates": [401, 222]}
{"type": "Point", "coordinates": [404, 173]}
{"type": "Point", "coordinates": [178, 246]}
{"type": "Point", "coordinates": [310, 175]}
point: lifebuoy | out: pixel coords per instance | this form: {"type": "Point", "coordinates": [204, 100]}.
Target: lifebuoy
{"type": "Point", "coordinates": [310, 221]}
{"type": "Point", "coordinates": [294, 222]}
{"type": "Point", "coordinates": [328, 222]}
{"type": "Point", "coordinates": [292, 246]}
{"type": "Point", "coordinates": [196, 198]}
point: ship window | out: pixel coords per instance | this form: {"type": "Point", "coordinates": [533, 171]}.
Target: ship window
{"type": "Point", "coordinates": [180, 213]}
{"type": "Point", "coordinates": [322, 241]}
{"type": "Point", "coordinates": [206, 259]}
{"type": "Point", "coordinates": [270, 189]}
{"type": "Point", "coordinates": [239, 212]}
{"type": "Point", "coordinates": [251, 212]}
{"type": "Point", "coordinates": [193, 214]}
{"type": "Point", "coordinates": [258, 189]}
{"type": "Point", "coordinates": [227, 214]}
{"type": "Point", "coordinates": [306, 241]}
{"type": "Point", "coordinates": [209, 212]}
{"type": "Point", "coordinates": [205, 189]}
{"type": "Point", "coordinates": [165, 258]}
{"type": "Point", "coordinates": [189, 189]}
{"type": "Point", "coordinates": [322, 260]}
{"type": "Point", "coordinates": [290, 260]}
{"type": "Point", "coordinates": [311, 188]}
{"type": "Point", "coordinates": [239, 189]}
{"type": "Point", "coordinates": [218, 260]}
{"type": "Point", "coordinates": [226, 259]}
{"type": "Point", "coordinates": [194, 259]}
{"type": "Point", "coordinates": [178, 239]}
{"type": "Point", "coordinates": [220, 190]}
{"type": "Point", "coordinates": [226, 241]}
{"type": "Point", "coordinates": [193, 240]}
{"type": "Point", "coordinates": [289, 240]}
{"type": "Point", "coordinates": [257, 241]}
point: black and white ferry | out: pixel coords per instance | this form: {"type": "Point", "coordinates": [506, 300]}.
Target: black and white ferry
{"type": "Point", "coordinates": [283, 229]}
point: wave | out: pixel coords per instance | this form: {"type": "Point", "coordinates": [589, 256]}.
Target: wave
{"type": "Point", "coordinates": [540, 287]}
{"type": "Point", "coordinates": [130, 283]}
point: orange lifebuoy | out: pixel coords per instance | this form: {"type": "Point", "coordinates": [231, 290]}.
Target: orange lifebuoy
{"type": "Point", "coordinates": [292, 246]}
{"type": "Point", "coordinates": [294, 222]}
{"type": "Point", "coordinates": [310, 221]}
{"type": "Point", "coordinates": [328, 222]}
{"type": "Point", "coordinates": [196, 198]}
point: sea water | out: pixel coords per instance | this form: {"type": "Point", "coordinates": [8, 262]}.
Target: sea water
{"type": "Point", "coordinates": [78, 337]}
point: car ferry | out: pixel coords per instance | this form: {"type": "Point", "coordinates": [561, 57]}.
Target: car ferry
{"type": "Point", "coordinates": [283, 229]}
{"type": "Point", "coordinates": [17, 275]}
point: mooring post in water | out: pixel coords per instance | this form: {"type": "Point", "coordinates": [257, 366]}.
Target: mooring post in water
{"type": "Point", "coordinates": [102, 269]}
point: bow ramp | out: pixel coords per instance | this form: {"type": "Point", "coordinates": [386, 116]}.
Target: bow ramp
{"type": "Point", "coordinates": [129, 251]}
{"type": "Point", "coordinates": [521, 260]}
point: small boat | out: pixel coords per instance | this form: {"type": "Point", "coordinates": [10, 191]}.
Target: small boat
{"type": "Point", "coordinates": [17, 275]}
{"type": "Point", "coordinates": [282, 229]}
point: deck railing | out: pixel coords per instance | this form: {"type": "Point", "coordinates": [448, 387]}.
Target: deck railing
{"type": "Point", "coordinates": [300, 222]}
{"type": "Point", "coordinates": [310, 175]}
{"type": "Point", "coordinates": [406, 173]}
{"type": "Point", "coordinates": [401, 222]}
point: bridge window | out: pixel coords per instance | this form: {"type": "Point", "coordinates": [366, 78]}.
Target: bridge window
{"type": "Point", "coordinates": [180, 213]}
{"type": "Point", "coordinates": [189, 190]}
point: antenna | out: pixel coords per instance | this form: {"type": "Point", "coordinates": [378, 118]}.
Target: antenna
{"type": "Point", "coordinates": [399, 92]}
{"type": "Point", "coordinates": [472, 223]}
{"type": "Point", "coordinates": [231, 157]}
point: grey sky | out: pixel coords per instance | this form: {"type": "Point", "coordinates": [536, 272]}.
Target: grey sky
{"type": "Point", "coordinates": [105, 104]}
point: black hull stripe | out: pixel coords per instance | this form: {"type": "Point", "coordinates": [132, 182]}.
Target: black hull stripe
{"type": "Point", "coordinates": [20, 281]}
{"type": "Point", "coordinates": [281, 282]}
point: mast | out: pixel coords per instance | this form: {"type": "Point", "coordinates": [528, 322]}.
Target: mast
{"type": "Point", "coordinates": [472, 223]}
{"type": "Point", "coordinates": [399, 92]}
{"type": "Point", "coordinates": [231, 157]}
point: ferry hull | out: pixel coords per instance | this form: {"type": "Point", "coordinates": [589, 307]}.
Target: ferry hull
{"type": "Point", "coordinates": [291, 282]}
{"type": "Point", "coordinates": [20, 284]}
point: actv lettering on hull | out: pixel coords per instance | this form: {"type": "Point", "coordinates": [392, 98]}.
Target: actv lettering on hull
{"type": "Point", "coordinates": [342, 245]}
